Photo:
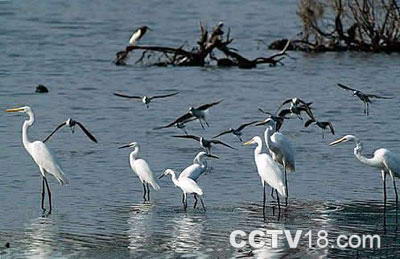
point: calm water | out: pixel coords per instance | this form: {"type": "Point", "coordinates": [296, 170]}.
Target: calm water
{"type": "Point", "coordinates": [69, 46]}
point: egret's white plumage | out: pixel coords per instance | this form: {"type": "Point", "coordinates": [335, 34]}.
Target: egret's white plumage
{"type": "Point", "coordinates": [199, 166]}
{"type": "Point", "coordinates": [383, 159]}
{"type": "Point", "coordinates": [187, 185]}
{"type": "Point", "coordinates": [141, 168]}
{"type": "Point", "coordinates": [40, 154]}
{"type": "Point", "coordinates": [267, 168]}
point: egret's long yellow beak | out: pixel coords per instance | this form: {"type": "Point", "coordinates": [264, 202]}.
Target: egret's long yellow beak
{"type": "Point", "coordinates": [248, 142]}
{"type": "Point", "coordinates": [15, 110]}
{"type": "Point", "coordinates": [338, 141]}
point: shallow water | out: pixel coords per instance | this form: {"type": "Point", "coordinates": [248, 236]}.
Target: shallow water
{"type": "Point", "coordinates": [69, 46]}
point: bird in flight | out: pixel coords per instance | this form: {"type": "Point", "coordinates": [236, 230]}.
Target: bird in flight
{"type": "Point", "coordinates": [138, 34]}
{"type": "Point", "coordinates": [198, 113]}
{"type": "Point", "coordinates": [296, 107]}
{"type": "Point", "coordinates": [145, 99]}
{"type": "Point", "coordinates": [322, 124]}
{"type": "Point", "coordinates": [205, 143]}
{"type": "Point", "coordinates": [72, 123]}
{"type": "Point", "coordinates": [237, 132]}
{"type": "Point", "coordinates": [365, 98]}
{"type": "Point", "coordinates": [279, 119]}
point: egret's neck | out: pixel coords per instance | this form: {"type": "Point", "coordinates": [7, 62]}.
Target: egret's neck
{"type": "Point", "coordinates": [174, 180]}
{"type": "Point", "coordinates": [258, 149]}
{"type": "Point", "coordinates": [267, 136]}
{"type": "Point", "coordinates": [25, 126]}
{"type": "Point", "coordinates": [135, 153]}
{"type": "Point", "coordinates": [357, 152]}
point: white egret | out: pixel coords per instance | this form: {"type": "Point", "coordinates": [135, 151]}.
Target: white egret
{"type": "Point", "coordinates": [142, 170]}
{"type": "Point", "coordinates": [41, 155]}
{"type": "Point", "coordinates": [199, 166]}
{"type": "Point", "coordinates": [268, 170]}
{"type": "Point", "coordinates": [280, 148]}
{"type": "Point", "coordinates": [187, 185]}
{"type": "Point", "coordinates": [386, 161]}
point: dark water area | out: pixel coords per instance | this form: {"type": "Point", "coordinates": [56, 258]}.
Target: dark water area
{"type": "Point", "coordinates": [69, 47]}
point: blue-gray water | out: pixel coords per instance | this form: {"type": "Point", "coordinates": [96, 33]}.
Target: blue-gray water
{"type": "Point", "coordinates": [68, 46]}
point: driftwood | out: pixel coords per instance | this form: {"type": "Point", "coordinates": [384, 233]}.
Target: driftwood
{"type": "Point", "coordinates": [341, 25]}
{"type": "Point", "coordinates": [207, 44]}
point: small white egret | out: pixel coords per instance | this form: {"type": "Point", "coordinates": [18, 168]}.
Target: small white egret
{"type": "Point", "coordinates": [386, 161]}
{"type": "Point", "coordinates": [41, 155]}
{"type": "Point", "coordinates": [280, 148]}
{"type": "Point", "coordinates": [268, 170]}
{"type": "Point", "coordinates": [187, 185]}
{"type": "Point", "coordinates": [142, 170]}
{"type": "Point", "coordinates": [199, 166]}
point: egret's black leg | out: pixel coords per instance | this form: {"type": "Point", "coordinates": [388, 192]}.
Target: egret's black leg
{"type": "Point", "coordinates": [183, 199]}
{"type": "Point", "coordinates": [397, 198]}
{"type": "Point", "coordinates": [384, 199]}
{"type": "Point", "coordinates": [272, 193]}
{"type": "Point", "coordinates": [195, 201]}
{"type": "Point", "coordinates": [202, 203]}
{"type": "Point", "coordinates": [48, 193]}
{"type": "Point", "coordinates": [277, 198]}
{"type": "Point", "coordinates": [185, 202]}
{"type": "Point", "coordinates": [148, 192]}
{"type": "Point", "coordinates": [144, 192]}
{"type": "Point", "coordinates": [43, 193]}
{"type": "Point", "coordinates": [323, 134]}
{"type": "Point", "coordinates": [287, 189]}
{"type": "Point", "coordinates": [264, 201]}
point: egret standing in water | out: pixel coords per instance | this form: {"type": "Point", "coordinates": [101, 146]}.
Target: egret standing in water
{"type": "Point", "coordinates": [142, 170]}
{"type": "Point", "coordinates": [280, 148]}
{"type": "Point", "coordinates": [187, 185]}
{"type": "Point", "coordinates": [386, 161]}
{"type": "Point", "coordinates": [268, 170]}
{"type": "Point", "coordinates": [41, 155]}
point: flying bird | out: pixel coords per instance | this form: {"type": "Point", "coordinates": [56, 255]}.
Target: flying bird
{"type": "Point", "coordinates": [279, 119]}
{"type": "Point", "coordinates": [296, 107]}
{"type": "Point", "coordinates": [268, 170]}
{"type": "Point", "coordinates": [179, 123]}
{"type": "Point", "coordinates": [138, 34]}
{"type": "Point", "coordinates": [322, 124]}
{"type": "Point", "coordinates": [72, 123]}
{"type": "Point", "coordinates": [365, 98]}
{"type": "Point", "coordinates": [205, 143]}
{"type": "Point", "coordinates": [187, 185]}
{"type": "Point", "coordinates": [42, 156]}
{"type": "Point", "coordinates": [141, 168]}
{"type": "Point", "coordinates": [145, 99]}
{"type": "Point", "coordinates": [198, 113]}
{"type": "Point", "coordinates": [383, 159]}
{"type": "Point", "coordinates": [237, 132]}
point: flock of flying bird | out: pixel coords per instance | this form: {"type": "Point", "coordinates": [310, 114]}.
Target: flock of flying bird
{"type": "Point", "coordinates": [280, 152]}
{"type": "Point", "coordinates": [272, 166]}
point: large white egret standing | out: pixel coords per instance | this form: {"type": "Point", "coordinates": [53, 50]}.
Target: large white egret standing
{"type": "Point", "coordinates": [268, 170]}
{"type": "Point", "coordinates": [41, 155]}
{"type": "Point", "coordinates": [280, 148]}
{"type": "Point", "coordinates": [386, 161]}
{"type": "Point", "coordinates": [187, 185]}
{"type": "Point", "coordinates": [142, 170]}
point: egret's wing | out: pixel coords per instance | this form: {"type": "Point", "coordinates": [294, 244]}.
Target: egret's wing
{"type": "Point", "coordinates": [244, 125]}
{"type": "Point", "coordinates": [392, 162]}
{"type": "Point", "coordinates": [270, 173]}
{"type": "Point", "coordinates": [378, 96]}
{"type": "Point", "coordinates": [346, 87]}
{"type": "Point", "coordinates": [197, 138]}
{"type": "Point", "coordinates": [163, 96]}
{"type": "Point", "coordinates": [193, 172]}
{"type": "Point", "coordinates": [216, 141]}
{"type": "Point", "coordinates": [128, 96]}
{"type": "Point", "coordinates": [190, 185]}
{"type": "Point", "coordinates": [44, 158]}
{"type": "Point", "coordinates": [209, 105]}
{"type": "Point", "coordinates": [54, 131]}
{"type": "Point", "coordinates": [285, 147]}
{"type": "Point", "coordinates": [222, 133]}
{"type": "Point", "coordinates": [144, 172]}
{"type": "Point", "coordinates": [90, 135]}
